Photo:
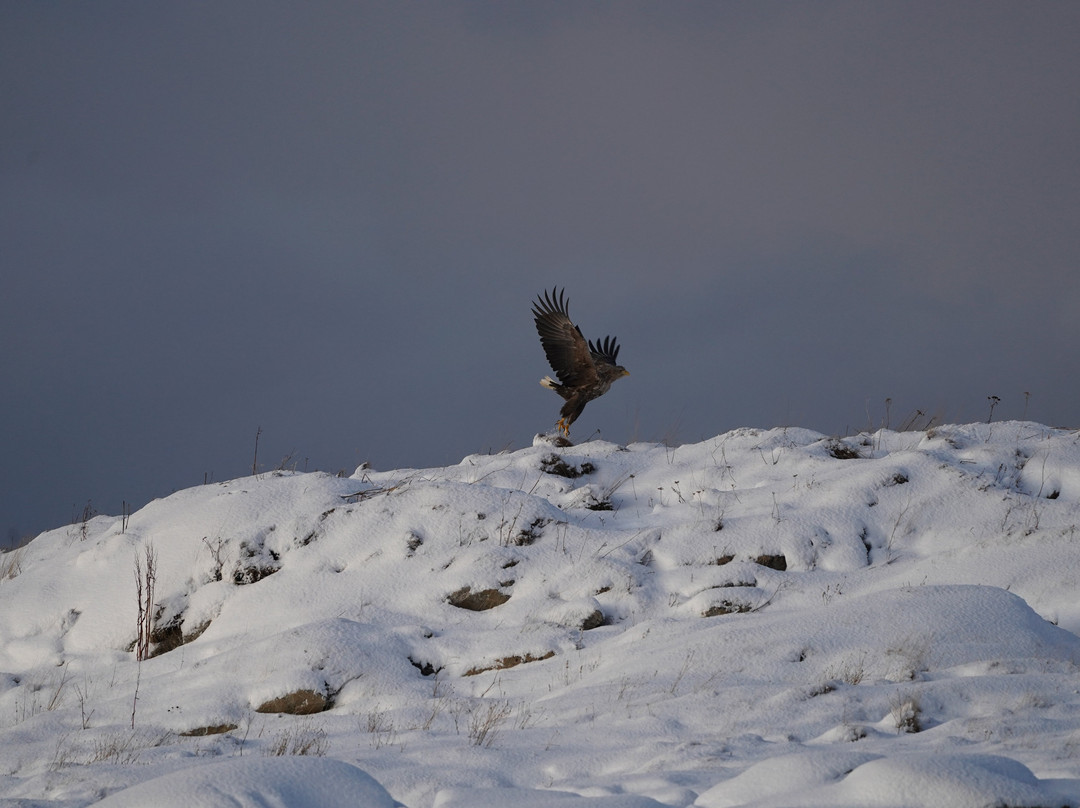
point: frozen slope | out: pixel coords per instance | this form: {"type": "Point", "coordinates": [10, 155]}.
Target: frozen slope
{"type": "Point", "coordinates": [764, 618]}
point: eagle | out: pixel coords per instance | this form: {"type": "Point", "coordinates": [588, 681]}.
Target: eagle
{"type": "Point", "coordinates": [585, 369]}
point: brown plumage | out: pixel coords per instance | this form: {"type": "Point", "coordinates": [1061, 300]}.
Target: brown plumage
{"type": "Point", "coordinates": [585, 369]}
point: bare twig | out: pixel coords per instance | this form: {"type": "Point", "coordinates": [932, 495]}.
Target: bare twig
{"type": "Point", "coordinates": [145, 577]}
{"type": "Point", "coordinates": [255, 460]}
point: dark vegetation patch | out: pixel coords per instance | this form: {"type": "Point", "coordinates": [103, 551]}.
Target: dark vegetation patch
{"type": "Point", "coordinates": [594, 504]}
{"type": "Point", "coordinates": [425, 668]}
{"type": "Point", "coordinates": [774, 562]}
{"type": "Point", "coordinates": [554, 464]}
{"type": "Point", "coordinates": [595, 619]}
{"type": "Point", "coordinates": [529, 535]}
{"type": "Point", "coordinates": [726, 607]}
{"type": "Point", "coordinates": [255, 563]}
{"type": "Point", "coordinates": [840, 450]}
{"type": "Point", "coordinates": [751, 582]}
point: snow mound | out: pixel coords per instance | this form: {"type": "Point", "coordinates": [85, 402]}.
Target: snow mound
{"type": "Point", "coordinates": [297, 782]}
{"type": "Point", "coordinates": [522, 798]}
{"type": "Point", "coordinates": [765, 617]}
{"type": "Point", "coordinates": [859, 780]}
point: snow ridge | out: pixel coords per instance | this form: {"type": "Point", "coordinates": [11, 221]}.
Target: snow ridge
{"type": "Point", "coordinates": [768, 617]}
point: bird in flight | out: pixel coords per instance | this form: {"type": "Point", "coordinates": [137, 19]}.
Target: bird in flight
{"type": "Point", "coordinates": [585, 369]}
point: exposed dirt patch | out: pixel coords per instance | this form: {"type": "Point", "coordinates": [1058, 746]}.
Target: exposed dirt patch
{"type": "Point", "coordinates": [302, 702]}
{"type": "Point", "coordinates": [510, 662]}
{"type": "Point", "coordinates": [165, 638]}
{"type": "Point", "coordinates": [215, 729]}
{"type": "Point", "coordinates": [196, 632]}
{"type": "Point", "coordinates": [773, 562]}
{"type": "Point", "coordinates": [480, 601]}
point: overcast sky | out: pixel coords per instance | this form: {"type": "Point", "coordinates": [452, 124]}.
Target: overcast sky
{"type": "Point", "coordinates": [328, 220]}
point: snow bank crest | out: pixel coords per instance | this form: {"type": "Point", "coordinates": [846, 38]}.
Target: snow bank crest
{"type": "Point", "coordinates": [603, 624]}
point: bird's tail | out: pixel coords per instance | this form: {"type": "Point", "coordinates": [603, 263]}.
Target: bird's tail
{"type": "Point", "coordinates": [549, 383]}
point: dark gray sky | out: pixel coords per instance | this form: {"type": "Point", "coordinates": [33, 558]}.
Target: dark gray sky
{"type": "Point", "coordinates": [328, 220]}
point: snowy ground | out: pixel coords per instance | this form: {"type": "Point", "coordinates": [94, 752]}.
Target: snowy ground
{"type": "Point", "coordinates": [767, 618]}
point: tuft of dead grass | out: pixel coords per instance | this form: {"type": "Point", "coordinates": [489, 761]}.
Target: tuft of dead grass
{"type": "Point", "coordinates": [298, 741]}
{"type": "Point", "coordinates": [485, 721]}
{"type": "Point", "coordinates": [906, 712]}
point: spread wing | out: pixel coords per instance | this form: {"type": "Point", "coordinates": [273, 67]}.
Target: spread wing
{"type": "Point", "coordinates": [605, 350]}
{"type": "Point", "coordinates": [567, 351]}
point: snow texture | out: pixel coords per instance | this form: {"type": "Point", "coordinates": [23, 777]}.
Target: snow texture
{"type": "Point", "coordinates": [765, 618]}
{"type": "Point", "coordinates": [291, 782]}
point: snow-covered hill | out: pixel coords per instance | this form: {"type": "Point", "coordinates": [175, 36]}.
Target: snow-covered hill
{"type": "Point", "coordinates": [764, 618]}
